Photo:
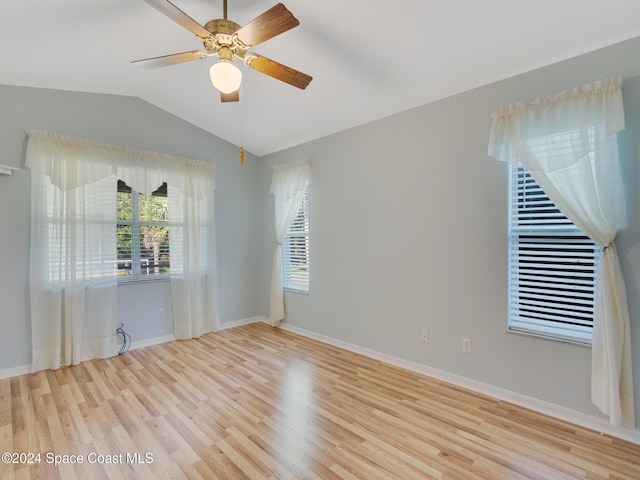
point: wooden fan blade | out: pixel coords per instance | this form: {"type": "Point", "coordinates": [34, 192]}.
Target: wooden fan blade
{"type": "Point", "coordinates": [167, 60]}
{"type": "Point", "coordinates": [278, 71]}
{"type": "Point", "coordinates": [178, 16]}
{"type": "Point", "coordinates": [273, 22]}
{"type": "Point", "coordinates": [230, 97]}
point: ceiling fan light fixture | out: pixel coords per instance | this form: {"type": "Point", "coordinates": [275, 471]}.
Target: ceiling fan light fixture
{"type": "Point", "coordinates": [225, 76]}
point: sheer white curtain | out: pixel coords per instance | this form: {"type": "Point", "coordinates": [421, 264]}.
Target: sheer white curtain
{"type": "Point", "coordinates": [192, 240]}
{"type": "Point", "coordinates": [287, 186]}
{"type": "Point", "coordinates": [73, 242]}
{"type": "Point", "coordinates": [73, 245]}
{"type": "Point", "coordinates": [568, 143]}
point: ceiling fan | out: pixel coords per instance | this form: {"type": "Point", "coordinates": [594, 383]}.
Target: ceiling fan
{"type": "Point", "coordinates": [230, 41]}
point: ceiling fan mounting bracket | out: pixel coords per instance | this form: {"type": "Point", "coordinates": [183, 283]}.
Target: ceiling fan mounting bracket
{"type": "Point", "coordinates": [221, 25]}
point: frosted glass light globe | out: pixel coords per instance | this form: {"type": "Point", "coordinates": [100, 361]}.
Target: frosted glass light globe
{"type": "Point", "coordinates": [225, 76]}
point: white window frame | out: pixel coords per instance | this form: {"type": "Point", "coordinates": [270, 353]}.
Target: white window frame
{"type": "Point", "coordinates": [295, 250]}
{"type": "Point", "coordinates": [552, 267]}
{"type": "Point", "coordinates": [136, 257]}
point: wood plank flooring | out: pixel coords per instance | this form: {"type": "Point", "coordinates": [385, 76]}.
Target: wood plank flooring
{"type": "Point", "coordinates": [260, 403]}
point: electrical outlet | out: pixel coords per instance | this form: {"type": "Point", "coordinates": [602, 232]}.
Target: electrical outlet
{"type": "Point", "coordinates": [161, 312]}
{"type": "Point", "coordinates": [466, 345]}
{"type": "Point", "coordinates": [314, 311]}
{"type": "Point", "coordinates": [424, 336]}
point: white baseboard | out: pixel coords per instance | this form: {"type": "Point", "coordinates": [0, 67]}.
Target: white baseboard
{"type": "Point", "coordinates": [152, 341]}
{"type": "Point", "coordinates": [239, 323]}
{"type": "Point", "coordinates": [556, 411]}
{"type": "Point", "coordinates": [26, 369]}
{"type": "Point", "coordinates": [169, 338]}
{"type": "Point", "coordinates": [15, 371]}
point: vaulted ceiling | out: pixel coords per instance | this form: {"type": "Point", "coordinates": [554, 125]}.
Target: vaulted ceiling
{"type": "Point", "coordinates": [368, 58]}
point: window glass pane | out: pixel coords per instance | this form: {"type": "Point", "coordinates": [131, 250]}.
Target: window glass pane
{"type": "Point", "coordinates": [142, 233]}
{"type": "Point", "coordinates": [124, 202]}
{"type": "Point", "coordinates": [124, 250]}
{"type": "Point", "coordinates": [552, 267]}
{"type": "Point", "coordinates": [155, 207]}
{"type": "Point", "coordinates": [154, 250]}
{"type": "Point", "coordinates": [295, 249]}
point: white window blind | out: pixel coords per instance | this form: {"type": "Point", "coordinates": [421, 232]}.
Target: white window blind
{"type": "Point", "coordinates": [295, 249]}
{"type": "Point", "coordinates": [76, 228]}
{"type": "Point", "coordinates": [552, 266]}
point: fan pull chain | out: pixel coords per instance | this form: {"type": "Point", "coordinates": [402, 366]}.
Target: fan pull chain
{"type": "Point", "coordinates": [241, 158]}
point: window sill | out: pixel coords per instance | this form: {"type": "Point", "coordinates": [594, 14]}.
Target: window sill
{"type": "Point", "coordinates": [295, 290]}
{"type": "Point", "coordinates": [581, 342]}
{"type": "Point", "coordinates": [141, 279]}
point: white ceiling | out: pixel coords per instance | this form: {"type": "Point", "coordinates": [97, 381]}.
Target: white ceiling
{"type": "Point", "coordinates": [369, 58]}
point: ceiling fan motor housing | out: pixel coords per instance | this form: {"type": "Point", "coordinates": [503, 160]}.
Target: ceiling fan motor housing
{"type": "Point", "coordinates": [223, 38]}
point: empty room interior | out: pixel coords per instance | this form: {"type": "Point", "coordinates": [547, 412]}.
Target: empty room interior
{"type": "Point", "coordinates": [404, 244]}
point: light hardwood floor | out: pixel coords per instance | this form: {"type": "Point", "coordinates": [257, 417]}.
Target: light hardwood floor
{"type": "Point", "coordinates": [255, 402]}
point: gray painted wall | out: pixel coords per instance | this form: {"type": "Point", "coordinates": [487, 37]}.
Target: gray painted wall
{"type": "Point", "coordinates": [408, 225]}
{"type": "Point", "coordinates": [130, 122]}
{"type": "Point", "coordinates": [408, 231]}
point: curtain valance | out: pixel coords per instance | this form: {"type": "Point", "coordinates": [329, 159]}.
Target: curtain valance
{"type": "Point", "coordinates": [556, 131]}
{"type": "Point", "coordinates": [289, 179]}
{"type": "Point", "coordinates": [72, 162]}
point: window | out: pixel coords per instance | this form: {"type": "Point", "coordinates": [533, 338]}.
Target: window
{"type": "Point", "coordinates": [295, 249]}
{"type": "Point", "coordinates": [142, 233]}
{"type": "Point", "coordinates": [552, 266]}
{"type": "Point", "coordinates": [74, 229]}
